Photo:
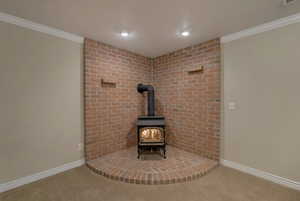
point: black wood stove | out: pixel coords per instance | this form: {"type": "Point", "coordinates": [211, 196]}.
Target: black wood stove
{"type": "Point", "coordinates": [151, 128]}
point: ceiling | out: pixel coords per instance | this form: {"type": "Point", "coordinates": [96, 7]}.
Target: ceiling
{"type": "Point", "coordinates": [153, 25]}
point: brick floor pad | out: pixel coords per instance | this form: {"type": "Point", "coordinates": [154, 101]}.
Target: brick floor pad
{"type": "Point", "coordinates": [180, 166]}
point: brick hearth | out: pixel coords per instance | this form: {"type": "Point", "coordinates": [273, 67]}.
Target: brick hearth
{"type": "Point", "coordinates": [180, 166]}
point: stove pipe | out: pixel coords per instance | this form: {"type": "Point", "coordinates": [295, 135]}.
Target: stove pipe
{"type": "Point", "coordinates": [151, 100]}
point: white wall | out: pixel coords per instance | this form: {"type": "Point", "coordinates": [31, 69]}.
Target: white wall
{"type": "Point", "coordinates": [261, 74]}
{"type": "Point", "coordinates": [40, 104]}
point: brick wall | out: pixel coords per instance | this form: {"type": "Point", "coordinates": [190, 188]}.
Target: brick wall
{"type": "Point", "coordinates": [190, 102]}
{"type": "Point", "coordinates": [111, 112]}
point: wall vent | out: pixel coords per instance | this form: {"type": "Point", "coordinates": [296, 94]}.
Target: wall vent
{"type": "Point", "coordinates": [288, 2]}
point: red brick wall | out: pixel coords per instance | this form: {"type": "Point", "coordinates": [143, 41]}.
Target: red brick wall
{"type": "Point", "coordinates": [110, 113]}
{"type": "Point", "coordinates": [191, 102]}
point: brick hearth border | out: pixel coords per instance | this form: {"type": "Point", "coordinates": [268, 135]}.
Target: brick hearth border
{"type": "Point", "coordinates": [180, 166]}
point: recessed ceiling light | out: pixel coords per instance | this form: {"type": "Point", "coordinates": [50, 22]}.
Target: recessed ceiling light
{"type": "Point", "coordinates": [185, 33]}
{"type": "Point", "coordinates": [124, 33]}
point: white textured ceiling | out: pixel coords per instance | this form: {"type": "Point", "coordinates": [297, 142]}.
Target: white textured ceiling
{"type": "Point", "coordinates": [153, 24]}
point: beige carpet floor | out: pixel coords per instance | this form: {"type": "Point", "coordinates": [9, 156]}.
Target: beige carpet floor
{"type": "Point", "coordinates": [221, 184]}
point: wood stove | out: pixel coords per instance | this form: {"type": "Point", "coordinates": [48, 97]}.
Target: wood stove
{"type": "Point", "coordinates": [151, 128]}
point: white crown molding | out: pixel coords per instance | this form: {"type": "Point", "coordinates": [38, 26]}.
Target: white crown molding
{"type": "Point", "coordinates": [31, 178]}
{"type": "Point", "coordinates": [262, 28]}
{"type": "Point", "coordinates": [39, 27]}
{"type": "Point", "coordinates": [265, 175]}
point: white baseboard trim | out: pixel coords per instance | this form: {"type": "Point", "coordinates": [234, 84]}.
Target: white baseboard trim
{"type": "Point", "coordinates": [39, 27]}
{"type": "Point", "coordinates": [35, 177]}
{"type": "Point", "coordinates": [265, 175]}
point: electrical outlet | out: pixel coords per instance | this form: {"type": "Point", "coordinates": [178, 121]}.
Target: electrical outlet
{"type": "Point", "coordinates": [79, 147]}
{"type": "Point", "coordinates": [232, 105]}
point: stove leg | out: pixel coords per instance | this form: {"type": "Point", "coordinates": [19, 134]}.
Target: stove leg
{"type": "Point", "coordinates": [165, 152]}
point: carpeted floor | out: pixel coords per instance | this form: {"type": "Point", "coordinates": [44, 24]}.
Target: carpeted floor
{"type": "Point", "coordinates": [222, 184]}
